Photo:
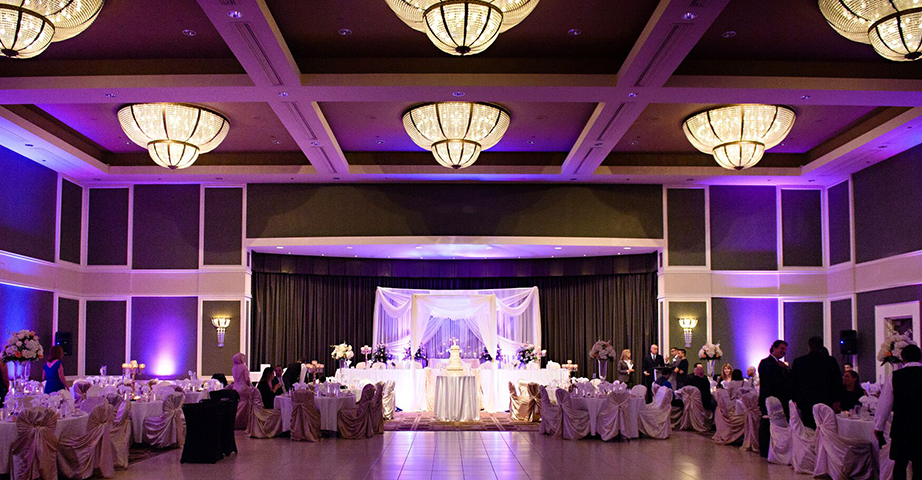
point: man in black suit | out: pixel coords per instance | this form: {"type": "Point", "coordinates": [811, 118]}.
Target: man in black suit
{"type": "Point", "coordinates": [901, 396]}
{"type": "Point", "coordinates": [815, 378]}
{"type": "Point", "coordinates": [681, 369]}
{"type": "Point", "coordinates": [699, 381]}
{"type": "Point", "coordinates": [775, 381]}
{"type": "Point", "coordinates": [650, 363]}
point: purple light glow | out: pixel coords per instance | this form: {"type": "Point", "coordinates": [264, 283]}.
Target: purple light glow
{"type": "Point", "coordinates": [164, 333]}
{"type": "Point", "coordinates": [751, 325]}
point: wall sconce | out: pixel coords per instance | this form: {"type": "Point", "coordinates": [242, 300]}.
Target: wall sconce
{"type": "Point", "coordinates": [221, 323]}
{"type": "Point", "coordinates": [688, 324]}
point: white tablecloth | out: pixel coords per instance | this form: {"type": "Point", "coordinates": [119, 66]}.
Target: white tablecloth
{"type": "Point", "coordinates": [857, 428]}
{"type": "Point", "coordinates": [409, 384]}
{"type": "Point", "coordinates": [456, 398]}
{"type": "Point", "coordinates": [594, 404]}
{"type": "Point", "coordinates": [495, 384]}
{"type": "Point", "coordinates": [66, 427]}
{"type": "Point", "coordinates": [329, 410]}
{"type": "Point", "coordinates": [194, 397]}
{"type": "Point", "coordinates": [141, 411]}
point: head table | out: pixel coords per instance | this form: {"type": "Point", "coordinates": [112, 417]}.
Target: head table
{"type": "Point", "coordinates": [411, 384]}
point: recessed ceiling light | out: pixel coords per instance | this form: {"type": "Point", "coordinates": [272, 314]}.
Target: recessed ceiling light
{"type": "Point", "coordinates": [315, 143]}
{"type": "Point", "coordinates": [379, 142]}
{"type": "Point", "coordinates": [219, 178]}
{"type": "Point", "coordinates": [597, 144]}
{"type": "Point", "coordinates": [627, 248]}
{"type": "Point", "coordinates": [584, 254]}
{"type": "Point", "coordinates": [882, 146]}
{"type": "Point", "coordinates": [689, 15]}
{"type": "Point", "coordinates": [188, 33]}
{"type": "Point", "coordinates": [728, 34]}
{"type": "Point", "coordinates": [345, 32]}
{"type": "Point", "coordinates": [110, 95]}
{"type": "Point", "coordinates": [279, 248]}
{"type": "Point", "coordinates": [97, 179]}
{"type": "Point", "coordinates": [633, 142]}
{"type": "Point", "coordinates": [276, 142]}
{"type": "Point", "coordinates": [531, 142]}
{"type": "Point", "coordinates": [489, 247]}
{"type": "Point", "coordinates": [805, 97]}
{"type": "Point", "coordinates": [234, 14]}
{"type": "Point", "coordinates": [348, 248]}
{"type": "Point", "coordinates": [457, 94]}
{"type": "Point", "coordinates": [335, 178]}
{"type": "Point", "coordinates": [574, 32]}
{"type": "Point", "coordinates": [419, 248]}
{"type": "Point", "coordinates": [619, 253]}
{"type": "Point", "coordinates": [356, 256]}
{"type": "Point", "coordinates": [811, 180]}
{"type": "Point", "coordinates": [632, 94]}
{"type": "Point", "coordinates": [283, 94]}
{"type": "Point", "coordinates": [782, 144]}
{"type": "Point", "coordinates": [572, 179]}
{"type": "Point", "coordinates": [322, 254]}
{"type": "Point", "coordinates": [689, 179]}
{"type": "Point", "coordinates": [552, 256]}
{"type": "Point", "coordinates": [558, 248]}
{"type": "Point", "coordinates": [29, 145]}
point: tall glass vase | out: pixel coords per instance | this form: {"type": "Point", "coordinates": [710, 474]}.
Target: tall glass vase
{"type": "Point", "coordinates": [21, 373]}
{"type": "Point", "coordinates": [710, 365]}
{"type": "Point", "coordinates": [603, 368]}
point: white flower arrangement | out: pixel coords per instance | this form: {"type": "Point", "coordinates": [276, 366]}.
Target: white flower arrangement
{"type": "Point", "coordinates": [892, 347]}
{"type": "Point", "coordinates": [602, 350]}
{"type": "Point", "coordinates": [710, 351]}
{"type": "Point", "coordinates": [22, 346]}
{"type": "Point", "coordinates": [342, 352]}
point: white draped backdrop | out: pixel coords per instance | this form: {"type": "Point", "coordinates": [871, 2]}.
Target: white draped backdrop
{"type": "Point", "coordinates": [409, 318]}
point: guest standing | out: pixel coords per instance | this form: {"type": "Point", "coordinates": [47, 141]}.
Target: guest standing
{"type": "Point", "coordinates": [53, 373]}
{"type": "Point", "coordinates": [291, 376]}
{"type": "Point", "coordinates": [625, 367]}
{"type": "Point", "coordinates": [901, 396]}
{"type": "Point", "coordinates": [700, 381]}
{"type": "Point", "coordinates": [650, 363]}
{"type": "Point", "coordinates": [815, 378]}
{"type": "Point", "coordinates": [851, 393]}
{"type": "Point", "coordinates": [681, 369]}
{"type": "Point", "coordinates": [775, 381]}
{"type": "Point", "coordinates": [241, 372]}
{"type": "Point", "coordinates": [268, 389]}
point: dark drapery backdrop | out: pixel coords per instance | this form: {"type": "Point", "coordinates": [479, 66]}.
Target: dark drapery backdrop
{"type": "Point", "coordinates": [301, 316]}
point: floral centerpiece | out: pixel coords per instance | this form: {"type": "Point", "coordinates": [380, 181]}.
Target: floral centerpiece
{"type": "Point", "coordinates": [22, 348]}
{"type": "Point", "coordinates": [485, 356]}
{"type": "Point", "coordinates": [381, 355]}
{"type": "Point", "coordinates": [602, 352]}
{"type": "Point", "coordinates": [710, 353]}
{"type": "Point", "coordinates": [343, 352]}
{"type": "Point", "coordinates": [528, 353]}
{"type": "Point", "coordinates": [892, 348]}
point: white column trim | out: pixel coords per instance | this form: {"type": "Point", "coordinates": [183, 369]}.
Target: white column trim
{"type": "Point", "coordinates": [57, 217]}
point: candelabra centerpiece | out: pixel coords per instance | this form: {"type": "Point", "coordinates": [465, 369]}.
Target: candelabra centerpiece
{"type": "Point", "coordinates": [132, 369]}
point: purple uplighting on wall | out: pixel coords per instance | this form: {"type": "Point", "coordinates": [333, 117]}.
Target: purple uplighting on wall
{"type": "Point", "coordinates": [26, 308]}
{"type": "Point", "coordinates": [745, 328]}
{"type": "Point", "coordinates": [164, 334]}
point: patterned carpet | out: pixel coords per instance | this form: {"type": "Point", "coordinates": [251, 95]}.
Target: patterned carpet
{"type": "Point", "coordinates": [139, 452]}
{"type": "Point", "coordinates": [489, 422]}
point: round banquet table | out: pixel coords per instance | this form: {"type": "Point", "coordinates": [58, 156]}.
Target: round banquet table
{"type": "Point", "coordinates": [456, 398]}
{"type": "Point", "coordinates": [141, 411]}
{"type": "Point", "coordinates": [194, 397]}
{"type": "Point", "coordinates": [70, 426]}
{"type": "Point", "coordinates": [594, 405]}
{"type": "Point", "coordinates": [329, 410]}
{"type": "Point", "coordinates": [856, 428]}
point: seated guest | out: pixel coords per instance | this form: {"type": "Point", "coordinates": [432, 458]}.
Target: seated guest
{"type": "Point", "coordinates": [267, 388]}
{"type": "Point", "coordinates": [736, 384]}
{"type": "Point", "coordinates": [700, 381]}
{"type": "Point", "coordinates": [221, 378]}
{"type": "Point", "coordinates": [848, 367]}
{"type": "Point", "coordinates": [53, 373]}
{"type": "Point", "coordinates": [663, 379]}
{"type": "Point", "coordinates": [725, 373]}
{"type": "Point", "coordinates": [851, 391]}
{"type": "Point", "coordinates": [625, 367]}
{"type": "Point", "coordinates": [277, 378]}
{"type": "Point", "coordinates": [752, 377]}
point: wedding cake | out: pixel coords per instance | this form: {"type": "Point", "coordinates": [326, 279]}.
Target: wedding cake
{"type": "Point", "coordinates": [454, 359]}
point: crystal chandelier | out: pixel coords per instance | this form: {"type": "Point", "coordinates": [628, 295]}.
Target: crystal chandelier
{"type": "Point", "coordinates": [462, 27]}
{"type": "Point", "coordinates": [738, 135]}
{"type": "Point", "coordinates": [174, 134]}
{"type": "Point", "coordinates": [688, 324]}
{"type": "Point", "coordinates": [892, 27]}
{"type": "Point", "coordinates": [456, 132]}
{"type": "Point", "coordinates": [27, 27]}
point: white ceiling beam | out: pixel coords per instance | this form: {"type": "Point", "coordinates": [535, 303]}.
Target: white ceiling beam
{"type": "Point", "coordinates": [253, 36]}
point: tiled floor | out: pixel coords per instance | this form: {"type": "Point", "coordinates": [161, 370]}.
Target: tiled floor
{"type": "Point", "coordinates": [471, 455]}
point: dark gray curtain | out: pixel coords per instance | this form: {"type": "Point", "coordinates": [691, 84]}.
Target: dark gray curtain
{"type": "Point", "coordinates": [300, 316]}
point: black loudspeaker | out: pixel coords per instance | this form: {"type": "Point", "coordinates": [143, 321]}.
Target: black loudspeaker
{"type": "Point", "coordinates": [65, 340]}
{"type": "Point", "coordinates": [848, 342]}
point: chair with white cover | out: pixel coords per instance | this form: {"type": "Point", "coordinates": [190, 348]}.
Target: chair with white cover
{"type": "Point", "coordinates": [361, 366]}
{"type": "Point", "coordinates": [377, 410]}
{"type": "Point", "coordinates": [534, 404]}
{"type": "Point", "coordinates": [34, 452]}
{"type": "Point", "coordinates": [612, 418]}
{"type": "Point", "coordinates": [161, 391]}
{"type": "Point", "coordinates": [654, 420]}
{"type": "Point", "coordinates": [574, 424]}
{"type": "Point", "coordinates": [94, 391]}
{"type": "Point", "coordinates": [245, 406]}
{"type": "Point", "coordinates": [263, 422]}
{"type": "Point", "coordinates": [121, 430]}
{"type": "Point", "coordinates": [80, 388]}
{"type": "Point", "coordinates": [803, 443]}
{"type": "Point", "coordinates": [728, 423]}
{"type": "Point", "coordinates": [779, 450]}
{"type": "Point", "coordinates": [518, 405]}
{"type": "Point", "coordinates": [357, 423]}
{"type": "Point", "coordinates": [378, 366]}
{"type": "Point", "coordinates": [841, 458]}
{"type": "Point", "coordinates": [692, 415]}
{"type": "Point", "coordinates": [639, 391]}
{"type": "Point", "coordinates": [389, 400]}
{"type": "Point", "coordinates": [550, 413]}
{"type": "Point", "coordinates": [305, 418]}
{"type": "Point", "coordinates": [91, 403]}
{"type": "Point", "coordinates": [168, 430]}
{"type": "Point", "coordinates": [552, 365]}
{"type": "Point", "coordinates": [753, 415]}
{"type": "Point", "coordinates": [80, 456]}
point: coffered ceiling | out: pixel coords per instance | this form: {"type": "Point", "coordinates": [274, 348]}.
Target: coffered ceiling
{"type": "Point", "coordinates": [315, 90]}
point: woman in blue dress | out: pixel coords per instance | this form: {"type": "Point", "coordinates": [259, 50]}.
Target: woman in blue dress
{"type": "Point", "coordinates": [53, 373]}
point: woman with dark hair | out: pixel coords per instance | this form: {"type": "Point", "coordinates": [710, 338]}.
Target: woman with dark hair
{"type": "Point", "coordinates": [53, 373]}
{"type": "Point", "coordinates": [851, 391]}
{"type": "Point", "coordinates": [267, 388]}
